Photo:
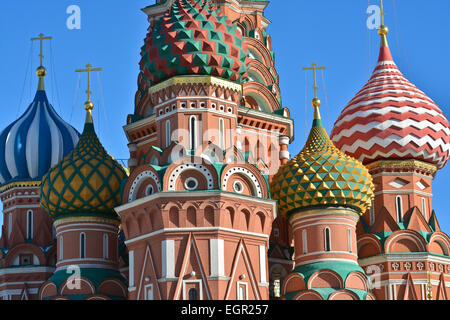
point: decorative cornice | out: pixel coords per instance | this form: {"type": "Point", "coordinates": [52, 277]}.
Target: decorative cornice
{"type": "Point", "coordinates": [402, 164]}
{"type": "Point", "coordinates": [19, 184]}
{"type": "Point", "coordinates": [192, 79]}
{"type": "Point", "coordinates": [61, 221]}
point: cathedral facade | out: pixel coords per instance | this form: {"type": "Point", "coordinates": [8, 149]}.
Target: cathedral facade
{"type": "Point", "coordinates": [211, 206]}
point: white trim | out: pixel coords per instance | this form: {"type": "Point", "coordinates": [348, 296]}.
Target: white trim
{"type": "Point", "coordinates": [295, 226]}
{"type": "Point", "coordinates": [35, 206]}
{"type": "Point", "coordinates": [325, 252]}
{"type": "Point", "coordinates": [106, 246]}
{"type": "Point", "coordinates": [331, 259]}
{"type": "Point", "coordinates": [305, 241]}
{"type": "Point", "coordinates": [205, 229]}
{"type": "Point", "coordinates": [404, 192]}
{"type": "Point", "coordinates": [221, 133]}
{"type": "Point", "coordinates": [25, 270]}
{"type": "Point", "coordinates": [146, 287]}
{"type": "Point", "coordinates": [212, 193]}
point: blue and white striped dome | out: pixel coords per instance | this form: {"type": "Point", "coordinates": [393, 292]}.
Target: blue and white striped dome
{"type": "Point", "coordinates": [35, 142]}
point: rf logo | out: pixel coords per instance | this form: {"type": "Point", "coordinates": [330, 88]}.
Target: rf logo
{"type": "Point", "coordinates": [74, 20]}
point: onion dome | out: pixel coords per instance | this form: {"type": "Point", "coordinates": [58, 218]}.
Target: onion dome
{"type": "Point", "coordinates": [87, 182]}
{"type": "Point", "coordinates": [35, 142]}
{"type": "Point", "coordinates": [191, 39]}
{"type": "Point", "coordinates": [391, 119]}
{"type": "Point", "coordinates": [322, 176]}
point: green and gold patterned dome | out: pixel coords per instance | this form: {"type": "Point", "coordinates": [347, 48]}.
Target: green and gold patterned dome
{"type": "Point", "coordinates": [86, 182]}
{"type": "Point", "coordinates": [322, 176]}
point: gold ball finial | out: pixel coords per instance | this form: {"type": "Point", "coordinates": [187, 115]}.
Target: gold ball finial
{"type": "Point", "coordinates": [41, 72]}
{"type": "Point", "coordinates": [316, 102]}
{"type": "Point", "coordinates": [89, 105]}
{"type": "Point", "coordinates": [383, 30]}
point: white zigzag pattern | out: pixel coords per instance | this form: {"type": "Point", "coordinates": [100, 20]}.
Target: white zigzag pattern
{"type": "Point", "coordinates": [439, 161]}
{"type": "Point", "coordinates": [386, 99]}
{"type": "Point", "coordinates": [387, 70]}
{"type": "Point", "coordinates": [385, 125]}
{"type": "Point", "coordinates": [397, 86]}
{"type": "Point", "coordinates": [403, 141]}
{"type": "Point", "coordinates": [417, 110]}
{"type": "Point", "coordinates": [386, 92]}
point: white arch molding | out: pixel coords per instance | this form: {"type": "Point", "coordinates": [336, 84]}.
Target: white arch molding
{"type": "Point", "coordinates": [191, 166]}
{"type": "Point", "coordinates": [248, 174]}
{"type": "Point", "coordinates": [138, 181]}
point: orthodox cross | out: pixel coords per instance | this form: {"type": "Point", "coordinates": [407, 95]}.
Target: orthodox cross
{"type": "Point", "coordinates": [41, 39]}
{"type": "Point", "coordinates": [89, 69]}
{"type": "Point", "coordinates": [314, 67]}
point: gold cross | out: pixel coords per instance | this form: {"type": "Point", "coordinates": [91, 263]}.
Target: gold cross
{"type": "Point", "coordinates": [314, 67]}
{"type": "Point", "coordinates": [41, 39]}
{"type": "Point", "coordinates": [89, 69]}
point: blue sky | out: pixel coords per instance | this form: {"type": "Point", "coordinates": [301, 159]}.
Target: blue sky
{"type": "Point", "coordinates": [331, 33]}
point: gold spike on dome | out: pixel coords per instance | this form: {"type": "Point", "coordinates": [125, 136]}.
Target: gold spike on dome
{"type": "Point", "coordinates": [41, 71]}
{"type": "Point", "coordinates": [383, 30]}
{"type": "Point", "coordinates": [335, 180]}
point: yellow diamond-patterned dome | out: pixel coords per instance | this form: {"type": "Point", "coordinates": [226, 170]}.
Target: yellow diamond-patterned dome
{"type": "Point", "coordinates": [86, 182]}
{"type": "Point", "coordinates": [322, 175]}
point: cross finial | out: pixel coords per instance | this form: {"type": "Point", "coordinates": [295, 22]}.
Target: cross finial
{"type": "Point", "coordinates": [41, 39]}
{"type": "Point", "coordinates": [89, 69]}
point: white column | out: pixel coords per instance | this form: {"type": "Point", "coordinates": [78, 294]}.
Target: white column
{"type": "Point", "coordinates": [168, 258]}
{"type": "Point", "coordinates": [217, 257]}
{"type": "Point", "coordinates": [262, 263]}
{"type": "Point", "coordinates": [131, 269]}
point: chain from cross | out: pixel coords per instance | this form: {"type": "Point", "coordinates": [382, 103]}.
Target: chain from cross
{"type": "Point", "coordinates": [41, 39]}
{"type": "Point", "coordinates": [89, 69]}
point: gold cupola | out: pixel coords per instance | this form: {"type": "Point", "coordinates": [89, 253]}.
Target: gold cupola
{"type": "Point", "coordinates": [87, 182]}
{"type": "Point", "coordinates": [321, 175]}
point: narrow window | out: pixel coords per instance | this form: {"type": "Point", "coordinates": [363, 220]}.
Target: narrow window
{"type": "Point", "coordinates": [305, 241]}
{"type": "Point", "coordinates": [105, 246]}
{"type": "Point", "coordinates": [168, 133]}
{"type": "Point", "coordinates": [221, 133]}
{"type": "Point", "coordinates": [82, 245]}
{"type": "Point", "coordinates": [10, 220]}
{"type": "Point", "coordinates": [193, 132]}
{"type": "Point", "coordinates": [399, 208]}
{"type": "Point", "coordinates": [61, 248]}
{"type": "Point", "coordinates": [131, 269]}
{"type": "Point", "coordinates": [424, 208]}
{"type": "Point", "coordinates": [193, 295]}
{"type": "Point", "coordinates": [349, 240]}
{"type": "Point", "coordinates": [30, 224]}
{"type": "Point", "coordinates": [327, 239]}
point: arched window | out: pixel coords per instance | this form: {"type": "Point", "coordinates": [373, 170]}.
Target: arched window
{"type": "Point", "coordinates": [327, 239]}
{"type": "Point", "coordinates": [105, 247]}
{"type": "Point", "coordinates": [193, 295]}
{"type": "Point", "coordinates": [83, 245]}
{"type": "Point", "coordinates": [221, 133]}
{"type": "Point", "coordinates": [30, 224]}
{"type": "Point", "coordinates": [168, 133]}
{"type": "Point", "coordinates": [61, 248]}
{"type": "Point", "coordinates": [424, 208]}
{"type": "Point", "coordinates": [399, 208]}
{"type": "Point", "coordinates": [349, 240]}
{"type": "Point", "coordinates": [193, 132]}
{"type": "Point", "coordinates": [305, 241]}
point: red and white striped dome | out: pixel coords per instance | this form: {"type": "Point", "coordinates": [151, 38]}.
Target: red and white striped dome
{"type": "Point", "coordinates": [390, 118]}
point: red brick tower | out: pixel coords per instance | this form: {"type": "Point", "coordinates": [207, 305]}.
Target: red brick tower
{"type": "Point", "coordinates": [206, 136]}
{"type": "Point", "coordinates": [403, 137]}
